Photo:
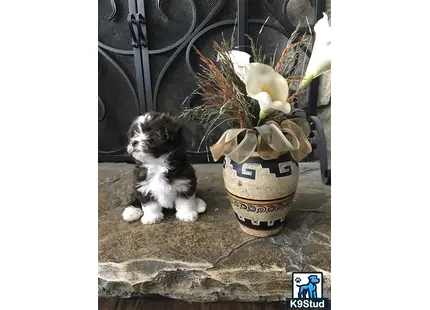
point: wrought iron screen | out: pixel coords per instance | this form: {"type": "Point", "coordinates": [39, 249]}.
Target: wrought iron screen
{"type": "Point", "coordinates": [147, 61]}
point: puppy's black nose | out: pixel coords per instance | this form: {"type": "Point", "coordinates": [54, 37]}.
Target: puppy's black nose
{"type": "Point", "coordinates": [134, 143]}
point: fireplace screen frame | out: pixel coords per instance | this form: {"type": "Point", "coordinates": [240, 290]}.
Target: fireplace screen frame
{"type": "Point", "coordinates": [146, 94]}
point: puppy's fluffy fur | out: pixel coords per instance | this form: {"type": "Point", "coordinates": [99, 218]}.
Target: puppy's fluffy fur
{"type": "Point", "coordinates": [163, 176]}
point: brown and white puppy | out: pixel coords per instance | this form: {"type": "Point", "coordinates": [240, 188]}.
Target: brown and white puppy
{"type": "Point", "coordinates": [163, 176]}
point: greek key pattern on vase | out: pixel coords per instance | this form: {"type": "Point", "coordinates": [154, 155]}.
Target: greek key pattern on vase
{"type": "Point", "coordinates": [259, 208]}
{"type": "Point", "coordinates": [280, 167]}
{"type": "Point", "coordinates": [260, 225]}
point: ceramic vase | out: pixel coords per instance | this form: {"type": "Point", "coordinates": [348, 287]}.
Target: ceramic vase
{"type": "Point", "coordinates": [261, 192]}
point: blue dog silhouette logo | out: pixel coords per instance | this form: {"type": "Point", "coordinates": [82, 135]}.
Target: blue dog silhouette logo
{"type": "Point", "coordinates": [307, 285]}
{"type": "Point", "coordinates": [309, 290]}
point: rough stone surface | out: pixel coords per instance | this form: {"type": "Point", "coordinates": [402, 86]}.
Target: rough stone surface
{"type": "Point", "coordinates": [299, 11]}
{"type": "Point", "coordinates": [324, 96]}
{"type": "Point", "coordinates": [324, 114]}
{"type": "Point", "coordinates": [210, 259]}
{"type": "Point", "coordinates": [324, 92]}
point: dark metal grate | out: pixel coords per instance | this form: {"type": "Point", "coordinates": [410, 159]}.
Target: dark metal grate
{"type": "Point", "coordinates": [171, 87]}
{"type": "Point", "coordinates": [162, 72]}
{"type": "Point", "coordinates": [118, 102]}
{"type": "Point", "coordinates": [170, 23]}
{"type": "Point", "coordinates": [115, 32]}
{"type": "Point", "coordinates": [118, 105]}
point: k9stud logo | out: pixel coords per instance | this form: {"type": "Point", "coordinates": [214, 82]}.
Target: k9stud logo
{"type": "Point", "coordinates": [307, 292]}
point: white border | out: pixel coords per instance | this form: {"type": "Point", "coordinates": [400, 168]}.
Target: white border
{"type": "Point", "coordinates": [380, 133]}
{"type": "Point", "coordinates": [379, 154]}
{"type": "Point", "coordinates": [48, 156]}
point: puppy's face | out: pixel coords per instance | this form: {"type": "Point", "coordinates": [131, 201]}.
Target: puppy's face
{"type": "Point", "coordinates": [152, 135]}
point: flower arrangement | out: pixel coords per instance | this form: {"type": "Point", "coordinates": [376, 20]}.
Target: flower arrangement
{"type": "Point", "coordinates": [255, 98]}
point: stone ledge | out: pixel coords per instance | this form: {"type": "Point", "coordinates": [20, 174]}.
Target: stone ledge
{"type": "Point", "coordinates": [210, 259]}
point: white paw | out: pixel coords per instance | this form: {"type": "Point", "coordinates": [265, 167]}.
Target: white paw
{"type": "Point", "coordinates": [201, 205]}
{"type": "Point", "coordinates": [131, 214]}
{"type": "Point", "coordinates": [151, 218]}
{"type": "Point", "coordinates": [187, 216]}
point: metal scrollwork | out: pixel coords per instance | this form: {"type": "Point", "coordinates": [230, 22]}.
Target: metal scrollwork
{"type": "Point", "coordinates": [182, 46]}
{"type": "Point", "coordinates": [113, 14]}
{"type": "Point", "coordinates": [102, 110]}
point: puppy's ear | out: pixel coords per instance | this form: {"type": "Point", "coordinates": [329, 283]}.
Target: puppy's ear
{"type": "Point", "coordinates": [178, 128]}
{"type": "Point", "coordinates": [174, 130]}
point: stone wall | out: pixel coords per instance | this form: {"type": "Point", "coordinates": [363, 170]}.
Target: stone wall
{"type": "Point", "coordinates": [297, 12]}
{"type": "Point", "coordinates": [324, 96]}
{"type": "Point", "coordinates": [324, 106]}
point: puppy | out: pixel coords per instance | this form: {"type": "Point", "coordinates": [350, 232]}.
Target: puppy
{"type": "Point", "coordinates": [163, 176]}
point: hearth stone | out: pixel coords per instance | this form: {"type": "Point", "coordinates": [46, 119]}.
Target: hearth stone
{"type": "Point", "coordinates": [210, 259]}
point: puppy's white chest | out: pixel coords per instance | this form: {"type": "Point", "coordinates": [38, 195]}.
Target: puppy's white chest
{"type": "Point", "coordinates": [157, 182]}
{"type": "Point", "coordinates": [158, 186]}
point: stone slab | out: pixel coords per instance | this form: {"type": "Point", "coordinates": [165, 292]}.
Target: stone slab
{"type": "Point", "coordinates": [210, 259]}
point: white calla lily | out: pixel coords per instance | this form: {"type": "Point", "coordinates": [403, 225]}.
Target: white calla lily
{"type": "Point", "coordinates": [320, 61]}
{"type": "Point", "coordinates": [240, 61]}
{"type": "Point", "coordinates": [268, 87]}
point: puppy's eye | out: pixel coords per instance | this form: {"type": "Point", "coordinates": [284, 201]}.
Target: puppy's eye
{"type": "Point", "coordinates": [134, 143]}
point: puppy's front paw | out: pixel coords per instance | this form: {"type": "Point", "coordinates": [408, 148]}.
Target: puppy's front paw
{"type": "Point", "coordinates": [186, 216]}
{"type": "Point", "coordinates": [151, 218]}
{"type": "Point", "coordinates": [131, 214]}
{"type": "Point", "coordinates": [201, 205]}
